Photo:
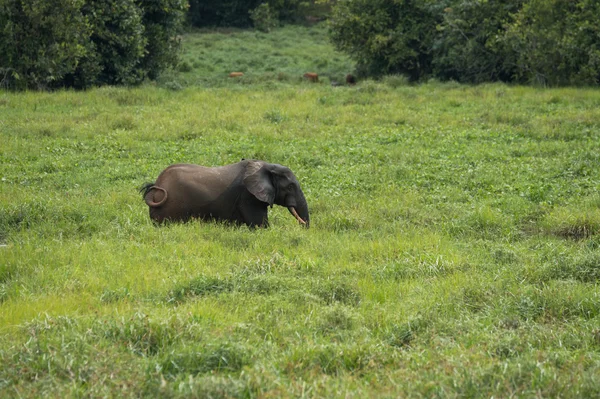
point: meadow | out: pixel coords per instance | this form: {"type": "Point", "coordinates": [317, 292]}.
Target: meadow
{"type": "Point", "coordinates": [454, 247]}
{"type": "Point", "coordinates": [267, 59]}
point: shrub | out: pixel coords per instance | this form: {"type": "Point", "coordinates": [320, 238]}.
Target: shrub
{"type": "Point", "coordinates": [296, 10]}
{"type": "Point", "coordinates": [555, 42]}
{"type": "Point", "coordinates": [221, 12]}
{"type": "Point", "coordinates": [162, 21]}
{"type": "Point", "coordinates": [547, 42]}
{"type": "Point", "coordinates": [237, 13]}
{"type": "Point", "coordinates": [185, 66]}
{"type": "Point", "coordinates": [41, 41]}
{"type": "Point", "coordinates": [386, 36]}
{"type": "Point", "coordinates": [118, 43]}
{"type": "Point", "coordinates": [466, 47]}
{"type": "Point", "coordinates": [263, 18]}
{"type": "Point", "coordinates": [80, 43]}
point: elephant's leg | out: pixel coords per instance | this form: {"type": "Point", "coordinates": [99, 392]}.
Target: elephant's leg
{"type": "Point", "coordinates": [252, 211]}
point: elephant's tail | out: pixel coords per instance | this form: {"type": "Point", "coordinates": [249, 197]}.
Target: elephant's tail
{"type": "Point", "coordinates": [153, 195]}
{"type": "Point", "coordinates": [146, 187]}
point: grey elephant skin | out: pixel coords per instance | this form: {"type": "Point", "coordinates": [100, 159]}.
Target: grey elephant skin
{"type": "Point", "coordinates": [239, 193]}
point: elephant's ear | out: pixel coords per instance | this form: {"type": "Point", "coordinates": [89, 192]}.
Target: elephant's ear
{"type": "Point", "coordinates": [257, 180]}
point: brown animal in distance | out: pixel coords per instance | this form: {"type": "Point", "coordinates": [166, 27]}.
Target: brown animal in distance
{"type": "Point", "coordinates": [236, 74]}
{"type": "Point", "coordinates": [350, 79]}
{"type": "Point", "coordinates": [311, 77]}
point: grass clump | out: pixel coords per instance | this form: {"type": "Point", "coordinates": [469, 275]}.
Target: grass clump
{"type": "Point", "coordinates": [139, 334]}
{"type": "Point", "coordinates": [395, 81]}
{"type": "Point", "coordinates": [333, 291]}
{"type": "Point", "coordinates": [402, 335]}
{"type": "Point", "coordinates": [203, 386]}
{"type": "Point", "coordinates": [214, 285]}
{"type": "Point", "coordinates": [331, 359]}
{"type": "Point", "coordinates": [411, 266]}
{"type": "Point", "coordinates": [337, 319]}
{"type": "Point", "coordinates": [584, 268]}
{"type": "Point", "coordinates": [204, 358]}
{"type": "Point", "coordinates": [573, 224]}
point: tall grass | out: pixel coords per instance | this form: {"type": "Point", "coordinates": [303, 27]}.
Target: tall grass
{"type": "Point", "coordinates": [453, 248]}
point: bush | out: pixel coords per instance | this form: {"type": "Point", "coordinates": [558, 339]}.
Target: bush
{"type": "Point", "coordinates": [118, 43]}
{"type": "Point", "coordinates": [81, 43]}
{"type": "Point", "coordinates": [386, 36]}
{"type": "Point", "coordinates": [296, 10]}
{"type": "Point", "coordinates": [263, 19]}
{"type": "Point", "coordinates": [162, 20]}
{"type": "Point", "coordinates": [221, 12]}
{"type": "Point", "coordinates": [466, 46]}
{"type": "Point", "coordinates": [238, 13]}
{"type": "Point", "coordinates": [548, 42]}
{"type": "Point", "coordinates": [41, 41]}
{"type": "Point", "coordinates": [555, 42]}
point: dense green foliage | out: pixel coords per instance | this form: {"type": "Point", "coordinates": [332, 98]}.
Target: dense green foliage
{"type": "Point", "coordinates": [162, 20]}
{"type": "Point", "coordinates": [386, 36]}
{"type": "Point", "coordinates": [41, 41]}
{"type": "Point", "coordinates": [118, 40]}
{"type": "Point", "coordinates": [215, 13]}
{"type": "Point", "coordinates": [547, 42]}
{"type": "Point", "coordinates": [58, 43]}
{"type": "Point", "coordinates": [555, 42]}
{"type": "Point", "coordinates": [454, 248]}
{"type": "Point", "coordinates": [468, 44]}
{"type": "Point", "coordinates": [237, 13]}
{"type": "Point", "coordinates": [263, 18]}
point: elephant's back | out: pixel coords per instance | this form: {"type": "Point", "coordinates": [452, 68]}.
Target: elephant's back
{"type": "Point", "coordinates": [196, 186]}
{"type": "Point", "coordinates": [178, 169]}
{"type": "Point", "coordinates": [195, 175]}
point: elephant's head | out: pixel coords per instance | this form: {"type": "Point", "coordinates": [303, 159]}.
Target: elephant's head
{"type": "Point", "coordinates": [276, 184]}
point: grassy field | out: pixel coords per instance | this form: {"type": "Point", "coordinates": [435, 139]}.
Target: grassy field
{"type": "Point", "coordinates": [454, 248]}
{"type": "Point", "coordinates": [268, 59]}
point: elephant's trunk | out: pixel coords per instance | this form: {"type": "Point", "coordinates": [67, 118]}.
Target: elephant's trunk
{"type": "Point", "coordinates": [300, 212]}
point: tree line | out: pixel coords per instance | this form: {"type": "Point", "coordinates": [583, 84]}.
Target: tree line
{"type": "Point", "coordinates": [243, 13]}
{"type": "Point", "coordinates": [545, 42]}
{"type": "Point", "coordinates": [46, 44]}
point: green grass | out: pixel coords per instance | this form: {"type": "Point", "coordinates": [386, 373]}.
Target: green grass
{"type": "Point", "coordinates": [269, 59]}
{"type": "Point", "coordinates": [454, 248]}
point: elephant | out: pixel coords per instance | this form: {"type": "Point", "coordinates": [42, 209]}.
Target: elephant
{"type": "Point", "coordinates": [239, 193]}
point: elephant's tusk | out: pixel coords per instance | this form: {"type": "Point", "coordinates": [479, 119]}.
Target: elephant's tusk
{"type": "Point", "coordinates": [298, 218]}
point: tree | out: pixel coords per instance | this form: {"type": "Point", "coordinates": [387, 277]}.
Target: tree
{"type": "Point", "coordinates": [81, 43]}
{"type": "Point", "coordinates": [466, 45]}
{"type": "Point", "coordinates": [386, 36]}
{"type": "Point", "coordinates": [548, 42]}
{"type": "Point", "coordinates": [162, 20]}
{"type": "Point", "coordinates": [41, 41]}
{"type": "Point", "coordinates": [221, 12]}
{"type": "Point", "coordinates": [555, 42]}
